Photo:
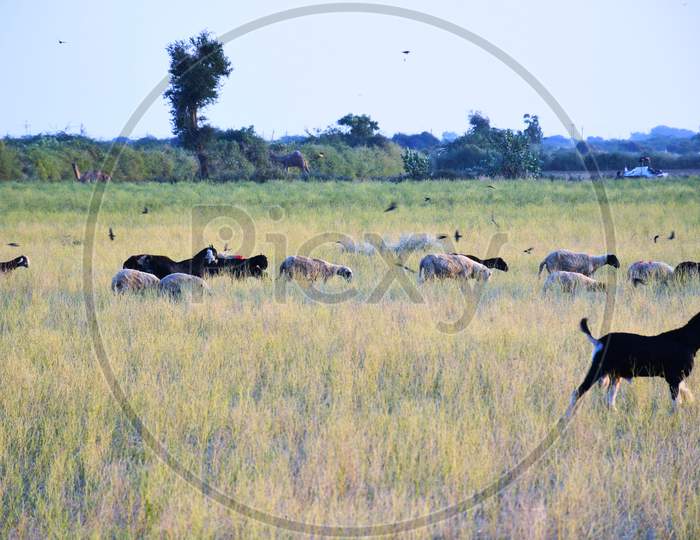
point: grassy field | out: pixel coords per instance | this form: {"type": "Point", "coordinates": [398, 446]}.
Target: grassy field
{"type": "Point", "coordinates": [355, 413]}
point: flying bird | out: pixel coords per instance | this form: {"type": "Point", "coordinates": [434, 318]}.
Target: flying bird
{"type": "Point", "coordinates": [427, 199]}
{"type": "Point", "coordinates": [393, 206]}
{"type": "Point", "coordinates": [672, 235]}
{"type": "Point", "coordinates": [457, 235]}
{"type": "Point", "coordinates": [13, 244]}
{"type": "Point", "coordinates": [405, 52]}
{"type": "Point", "coordinates": [61, 42]}
{"type": "Point", "coordinates": [441, 236]}
{"type": "Point", "coordinates": [111, 234]}
{"type": "Point", "coordinates": [528, 250]}
{"type": "Point", "coordinates": [490, 186]}
{"type": "Point", "coordinates": [145, 210]}
{"type": "Point", "coordinates": [656, 238]}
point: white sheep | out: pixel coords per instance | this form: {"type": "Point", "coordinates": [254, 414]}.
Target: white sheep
{"type": "Point", "coordinates": [581, 263]}
{"type": "Point", "coordinates": [175, 285]}
{"type": "Point", "coordinates": [642, 272]}
{"type": "Point", "coordinates": [572, 282]}
{"type": "Point", "coordinates": [451, 265]}
{"type": "Point", "coordinates": [312, 269]}
{"type": "Point", "coordinates": [128, 280]}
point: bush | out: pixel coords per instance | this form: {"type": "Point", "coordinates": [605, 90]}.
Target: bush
{"type": "Point", "coordinates": [416, 164]}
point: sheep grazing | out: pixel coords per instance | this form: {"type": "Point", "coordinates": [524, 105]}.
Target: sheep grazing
{"type": "Point", "coordinates": [686, 271]}
{"type": "Point", "coordinates": [161, 265]}
{"type": "Point", "coordinates": [495, 263]}
{"type": "Point", "coordinates": [312, 269]}
{"type": "Point", "coordinates": [582, 263]}
{"type": "Point", "coordinates": [175, 285]}
{"type": "Point", "coordinates": [572, 282]}
{"type": "Point", "coordinates": [406, 244]}
{"type": "Point", "coordinates": [17, 262]}
{"type": "Point", "coordinates": [128, 280]}
{"type": "Point", "coordinates": [641, 272]}
{"type": "Point", "coordinates": [239, 267]}
{"type": "Point", "coordinates": [622, 355]}
{"type": "Point", "coordinates": [451, 265]}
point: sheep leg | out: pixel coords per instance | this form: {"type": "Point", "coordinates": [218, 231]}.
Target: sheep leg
{"type": "Point", "coordinates": [612, 393]}
{"type": "Point", "coordinates": [674, 387]}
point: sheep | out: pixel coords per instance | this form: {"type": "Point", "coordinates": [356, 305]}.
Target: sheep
{"type": "Point", "coordinates": [128, 280]}
{"type": "Point", "coordinates": [177, 284]}
{"type": "Point", "coordinates": [572, 282]}
{"type": "Point", "coordinates": [17, 262]}
{"type": "Point", "coordinates": [239, 267]}
{"type": "Point", "coordinates": [406, 244]}
{"type": "Point", "coordinates": [641, 272]}
{"type": "Point", "coordinates": [686, 271]}
{"type": "Point", "coordinates": [312, 269]}
{"type": "Point", "coordinates": [450, 265]}
{"type": "Point", "coordinates": [161, 265]}
{"type": "Point", "coordinates": [622, 355]}
{"type": "Point", "coordinates": [582, 263]}
{"type": "Point", "coordinates": [496, 263]}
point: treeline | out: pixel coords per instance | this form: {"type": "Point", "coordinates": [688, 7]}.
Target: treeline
{"type": "Point", "coordinates": [351, 149]}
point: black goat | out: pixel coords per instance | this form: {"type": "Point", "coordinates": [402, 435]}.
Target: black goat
{"type": "Point", "coordinates": [496, 263]}
{"type": "Point", "coordinates": [686, 271]}
{"type": "Point", "coordinates": [162, 266]}
{"type": "Point", "coordinates": [622, 355]}
{"type": "Point", "coordinates": [14, 263]}
{"type": "Point", "coordinates": [239, 267]}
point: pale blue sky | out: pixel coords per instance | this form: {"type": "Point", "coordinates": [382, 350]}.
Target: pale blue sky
{"type": "Point", "coordinates": [616, 67]}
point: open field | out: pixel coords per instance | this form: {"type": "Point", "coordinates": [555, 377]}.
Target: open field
{"type": "Point", "coordinates": [354, 413]}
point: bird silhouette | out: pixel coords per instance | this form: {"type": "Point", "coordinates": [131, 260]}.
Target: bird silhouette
{"type": "Point", "coordinates": [61, 42]}
{"type": "Point", "coordinates": [13, 244]}
{"type": "Point", "coordinates": [457, 235]}
{"type": "Point", "coordinates": [528, 250]}
{"type": "Point", "coordinates": [441, 236]}
{"type": "Point", "coordinates": [393, 206]}
{"type": "Point", "coordinates": [490, 186]}
{"type": "Point", "coordinates": [145, 210]}
{"type": "Point", "coordinates": [672, 235]}
{"type": "Point", "coordinates": [427, 199]}
{"type": "Point", "coordinates": [405, 52]}
{"type": "Point", "coordinates": [111, 234]}
{"type": "Point", "coordinates": [405, 267]}
{"type": "Point", "coordinates": [656, 238]}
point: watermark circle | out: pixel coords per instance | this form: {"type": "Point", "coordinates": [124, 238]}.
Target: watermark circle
{"type": "Point", "coordinates": [509, 476]}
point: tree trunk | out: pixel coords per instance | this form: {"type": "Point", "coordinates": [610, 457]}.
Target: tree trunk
{"type": "Point", "coordinates": [203, 163]}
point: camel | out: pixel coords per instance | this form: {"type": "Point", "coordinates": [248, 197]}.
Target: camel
{"type": "Point", "coordinates": [295, 159]}
{"type": "Point", "coordinates": [90, 176]}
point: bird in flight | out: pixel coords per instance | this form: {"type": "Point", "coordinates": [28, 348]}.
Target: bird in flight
{"type": "Point", "coordinates": [61, 42]}
{"type": "Point", "coordinates": [13, 244]}
{"type": "Point", "coordinates": [528, 250]}
{"type": "Point", "coordinates": [672, 235]}
{"type": "Point", "coordinates": [441, 236]}
{"type": "Point", "coordinates": [393, 206]}
{"type": "Point", "coordinates": [490, 186]}
{"type": "Point", "coordinates": [656, 238]}
{"type": "Point", "coordinates": [457, 235]}
{"type": "Point", "coordinates": [405, 54]}
{"type": "Point", "coordinates": [111, 234]}
{"type": "Point", "coordinates": [427, 199]}
{"type": "Point", "coordinates": [145, 210]}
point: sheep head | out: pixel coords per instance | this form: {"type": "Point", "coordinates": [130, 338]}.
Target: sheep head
{"type": "Point", "coordinates": [612, 261]}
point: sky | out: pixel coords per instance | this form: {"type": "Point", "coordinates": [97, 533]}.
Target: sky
{"type": "Point", "coordinates": [615, 67]}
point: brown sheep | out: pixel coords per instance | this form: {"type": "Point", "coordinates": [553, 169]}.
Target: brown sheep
{"type": "Point", "coordinates": [128, 280]}
{"type": "Point", "coordinates": [445, 265]}
{"type": "Point", "coordinates": [572, 282]}
{"type": "Point", "coordinates": [312, 269]}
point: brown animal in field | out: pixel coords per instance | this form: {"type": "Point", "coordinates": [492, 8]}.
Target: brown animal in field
{"type": "Point", "coordinates": [90, 176]}
{"type": "Point", "coordinates": [295, 159]}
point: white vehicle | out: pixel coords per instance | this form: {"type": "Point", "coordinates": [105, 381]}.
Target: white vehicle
{"type": "Point", "coordinates": [644, 172]}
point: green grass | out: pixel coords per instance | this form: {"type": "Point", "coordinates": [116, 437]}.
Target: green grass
{"type": "Point", "coordinates": [356, 413]}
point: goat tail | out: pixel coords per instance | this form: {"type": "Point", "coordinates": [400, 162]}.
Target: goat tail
{"type": "Point", "coordinates": [542, 265]}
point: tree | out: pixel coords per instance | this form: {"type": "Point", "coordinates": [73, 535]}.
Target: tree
{"type": "Point", "coordinates": [416, 164]}
{"type": "Point", "coordinates": [515, 156]}
{"type": "Point", "coordinates": [533, 131]}
{"type": "Point", "coordinates": [361, 127]}
{"type": "Point", "coordinates": [196, 69]}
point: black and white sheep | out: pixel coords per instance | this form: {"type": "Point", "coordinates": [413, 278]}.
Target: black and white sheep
{"type": "Point", "coordinates": [642, 272]}
{"type": "Point", "coordinates": [582, 263]}
{"type": "Point", "coordinates": [451, 265]}
{"type": "Point", "coordinates": [572, 282]}
{"type": "Point", "coordinates": [298, 266]}
{"type": "Point", "coordinates": [239, 267]}
{"type": "Point", "coordinates": [128, 280]}
{"type": "Point", "coordinates": [17, 262]}
{"type": "Point", "coordinates": [161, 266]}
{"type": "Point", "coordinates": [622, 355]}
{"type": "Point", "coordinates": [177, 284]}
{"type": "Point", "coordinates": [496, 263]}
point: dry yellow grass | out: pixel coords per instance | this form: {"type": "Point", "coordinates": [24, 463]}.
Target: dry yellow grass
{"type": "Point", "coordinates": [349, 414]}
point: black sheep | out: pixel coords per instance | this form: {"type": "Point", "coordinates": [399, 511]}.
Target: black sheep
{"type": "Point", "coordinates": [14, 263]}
{"type": "Point", "coordinates": [161, 266]}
